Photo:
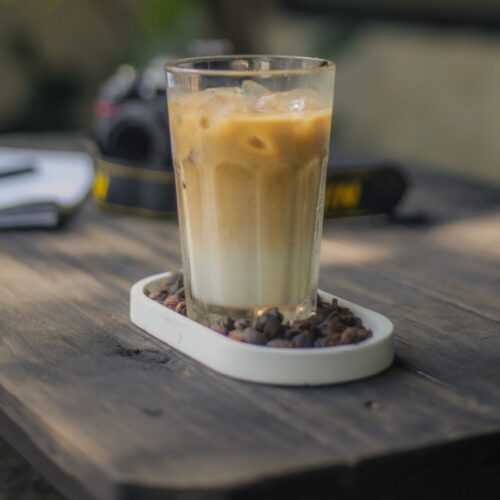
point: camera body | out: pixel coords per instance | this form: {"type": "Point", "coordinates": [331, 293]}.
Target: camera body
{"type": "Point", "coordinates": [131, 116]}
{"type": "Point", "coordinates": [134, 172]}
{"type": "Point", "coordinates": [131, 110]}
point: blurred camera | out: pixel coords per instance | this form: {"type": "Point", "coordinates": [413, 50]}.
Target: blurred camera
{"type": "Point", "coordinates": [130, 112]}
{"type": "Point", "coordinates": [131, 119]}
{"type": "Point", "coordinates": [134, 172]}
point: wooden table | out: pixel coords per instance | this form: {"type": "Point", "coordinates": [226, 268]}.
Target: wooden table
{"type": "Point", "coordinates": [106, 412]}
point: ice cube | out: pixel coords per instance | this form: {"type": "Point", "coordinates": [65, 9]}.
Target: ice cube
{"type": "Point", "coordinates": [268, 103]}
{"type": "Point", "coordinates": [300, 100]}
{"type": "Point", "coordinates": [296, 104]}
{"type": "Point", "coordinates": [253, 89]}
{"type": "Point", "coordinates": [220, 94]}
{"type": "Point", "coordinates": [294, 100]}
{"type": "Point", "coordinates": [218, 102]}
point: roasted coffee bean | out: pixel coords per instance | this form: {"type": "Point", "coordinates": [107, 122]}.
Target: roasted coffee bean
{"type": "Point", "coordinates": [303, 339]}
{"type": "Point", "coordinates": [337, 320]}
{"type": "Point", "coordinates": [259, 322]}
{"type": "Point", "coordinates": [271, 313]}
{"type": "Point", "coordinates": [324, 329]}
{"type": "Point", "coordinates": [300, 324]}
{"type": "Point", "coordinates": [314, 321]}
{"type": "Point", "coordinates": [275, 313]}
{"type": "Point", "coordinates": [321, 342]}
{"type": "Point", "coordinates": [334, 317]}
{"type": "Point", "coordinates": [363, 333]}
{"type": "Point", "coordinates": [241, 324]}
{"type": "Point", "coordinates": [171, 301]}
{"type": "Point", "coordinates": [357, 321]}
{"type": "Point", "coordinates": [158, 296]}
{"type": "Point", "coordinates": [329, 341]}
{"type": "Point", "coordinates": [261, 319]}
{"type": "Point", "coordinates": [331, 325]}
{"type": "Point", "coordinates": [236, 335]}
{"type": "Point", "coordinates": [253, 336]}
{"type": "Point", "coordinates": [353, 335]}
{"type": "Point", "coordinates": [335, 326]}
{"type": "Point", "coordinates": [169, 280]}
{"type": "Point", "coordinates": [279, 343]}
{"type": "Point", "coordinates": [272, 328]}
{"type": "Point", "coordinates": [289, 333]}
{"type": "Point", "coordinates": [228, 323]}
{"type": "Point", "coordinates": [349, 321]}
{"type": "Point", "coordinates": [338, 329]}
{"type": "Point", "coordinates": [349, 335]}
{"type": "Point", "coordinates": [181, 308]}
{"type": "Point", "coordinates": [219, 328]}
{"type": "Point", "coordinates": [334, 340]}
{"type": "Point", "coordinates": [322, 313]}
{"type": "Point", "coordinates": [345, 313]}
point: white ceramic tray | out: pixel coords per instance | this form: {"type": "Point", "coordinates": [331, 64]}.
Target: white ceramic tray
{"type": "Point", "coordinates": [266, 365]}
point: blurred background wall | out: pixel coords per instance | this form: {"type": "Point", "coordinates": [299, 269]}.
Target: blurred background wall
{"type": "Point", "coordinates": [421, 84]}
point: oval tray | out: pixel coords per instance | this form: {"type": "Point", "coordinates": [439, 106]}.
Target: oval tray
{"type": "Point", "coordinates": [266, 365]}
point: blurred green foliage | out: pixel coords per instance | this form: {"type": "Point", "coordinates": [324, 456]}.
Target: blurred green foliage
{"type": "Point", "coordinates": [55, 54]}
{"type": "Point", "coordinates": [165, 27]}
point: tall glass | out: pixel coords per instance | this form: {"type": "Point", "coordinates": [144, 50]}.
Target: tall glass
{"type": "Point", "coordinates": [250, 138]}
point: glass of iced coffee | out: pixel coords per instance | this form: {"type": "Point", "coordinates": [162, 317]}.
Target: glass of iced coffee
{"type": "Point", "coordinates": [250, 138]}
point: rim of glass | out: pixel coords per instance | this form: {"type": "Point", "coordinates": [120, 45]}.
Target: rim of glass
{"type": "Point", "coordinates": [173, 66]}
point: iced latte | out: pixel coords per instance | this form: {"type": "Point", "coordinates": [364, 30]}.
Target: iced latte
{"type": "Point", "coordinates": [250, 168]}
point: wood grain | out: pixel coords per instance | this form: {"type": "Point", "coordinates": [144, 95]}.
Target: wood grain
{"type": "Point", "coordinates": [108, 413]}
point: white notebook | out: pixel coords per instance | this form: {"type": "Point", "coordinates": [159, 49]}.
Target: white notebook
{"type": "Point", "coordinates": [38, 188]}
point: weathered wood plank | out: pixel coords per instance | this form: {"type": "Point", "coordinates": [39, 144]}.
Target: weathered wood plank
{"type": "Point", "coordinates": [98, 404]}
{"type": "Point", "coordinates": [464, 278]}
{"type": "Point", "coordinates": [18, 480]}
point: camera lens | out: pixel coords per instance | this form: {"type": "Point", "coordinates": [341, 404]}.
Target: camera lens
{"type": "Point", "coordinates": [131, 142]}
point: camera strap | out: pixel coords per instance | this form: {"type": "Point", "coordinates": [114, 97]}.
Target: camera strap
{"type": "Point", "coordinates": [149, 190]}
